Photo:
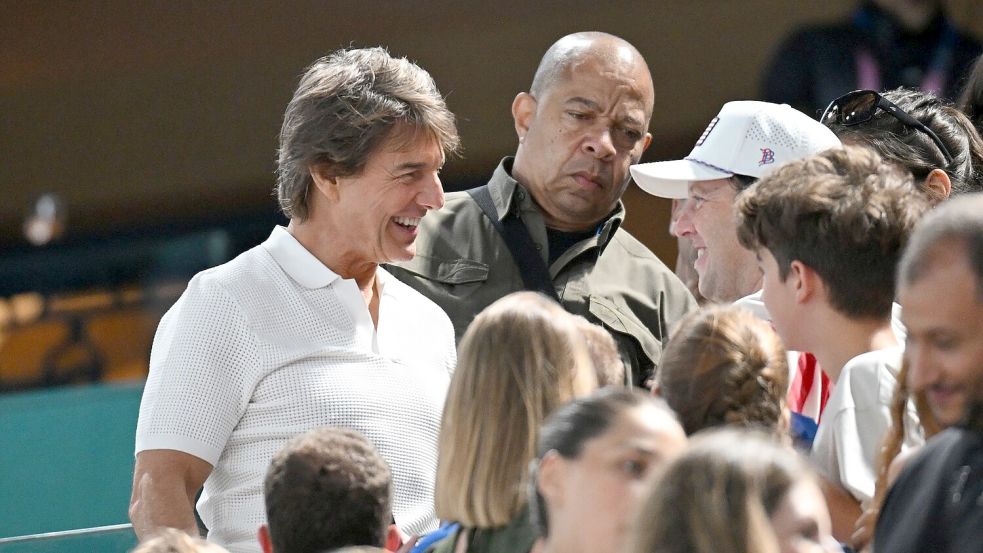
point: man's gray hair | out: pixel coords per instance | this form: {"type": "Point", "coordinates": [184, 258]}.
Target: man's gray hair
{"type": "Point", "coordinates": [345, 107]}
{"type": "Point", "coordinates": [956, 223]}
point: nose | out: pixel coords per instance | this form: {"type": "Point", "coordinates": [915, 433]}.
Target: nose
{"type": "Point", "coordinates": [683, 226]}
{"type": "Point", "coordinates": [599, 143]}
{"type": "Point", "coordinates": [431, 194]}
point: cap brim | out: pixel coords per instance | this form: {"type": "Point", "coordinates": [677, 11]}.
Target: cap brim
{"type": "Point", "coordinates": [670, 179]}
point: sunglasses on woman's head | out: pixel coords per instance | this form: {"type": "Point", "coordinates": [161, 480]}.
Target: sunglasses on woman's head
{"type": "Point", "coordinates": [860, 106]}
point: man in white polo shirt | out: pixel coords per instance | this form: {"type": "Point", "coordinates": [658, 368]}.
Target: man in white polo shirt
{"type": "Point", "coordinates": [306, 329]}
{"type": "Point", "coordinates": [743, 143]}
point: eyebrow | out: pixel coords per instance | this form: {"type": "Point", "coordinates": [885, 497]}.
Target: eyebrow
{"type": "Point", "coordinates": [587, 103]}
{"type": "Point", "coordinates": [591, 104]}
{"type": "Point", "coordinates": [412, 165]}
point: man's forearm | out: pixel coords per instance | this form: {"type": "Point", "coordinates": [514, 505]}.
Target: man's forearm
{"type": "Point", "coordinates": [157, 505]}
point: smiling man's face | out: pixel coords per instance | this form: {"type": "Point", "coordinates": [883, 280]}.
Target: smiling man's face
{"type": "Point", "coordinates": [727, 270]}
{"type": "Point", "coordinates": [942, 311]}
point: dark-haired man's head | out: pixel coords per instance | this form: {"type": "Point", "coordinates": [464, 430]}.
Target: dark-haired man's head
{"type": "Point", "coordinates": [326, 489]}
{"type": "Point", "coordinates": [835, 223]}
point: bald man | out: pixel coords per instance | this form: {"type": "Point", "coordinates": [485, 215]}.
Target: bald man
{"type": "Point", "coordinates": [583, 122]}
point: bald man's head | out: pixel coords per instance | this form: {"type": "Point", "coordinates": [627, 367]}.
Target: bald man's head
{"type": "Point", "coordinates": [583, 123]}
{"type": "Point", "coordinates": [574, 49]}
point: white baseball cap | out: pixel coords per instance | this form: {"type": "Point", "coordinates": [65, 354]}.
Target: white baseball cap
{"type": "Point", "coordinates": [746, 138]}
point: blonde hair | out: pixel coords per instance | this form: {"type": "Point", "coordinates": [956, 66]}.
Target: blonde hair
{"type": "Point", "coordinates": [171, 540]}
{"type": "Point", "coordinates": [521, 358]}
{"type": "Point", "coordinates": [608, 366]}
{"type": "Point", "coordinates": [724, 366]}
{"type": "Point", "coordinates": [718, 496]}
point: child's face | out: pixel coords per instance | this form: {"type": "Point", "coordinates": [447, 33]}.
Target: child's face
{"type": "Point", "coordinates": [779, 298]}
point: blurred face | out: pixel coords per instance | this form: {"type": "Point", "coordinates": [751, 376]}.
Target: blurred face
{"type": "Point", "coordinates": [942, 312]}
{"type": "Point", "coordinates": [578, 138]}
{"type": "Point", "coordinates": [727, 270]}
{"type": "Point", "coordinates": [380, 208]}
{"type": "Point", "coordinates": [593, 498]}
{"type": "Point", "coordinates": [801, 521]}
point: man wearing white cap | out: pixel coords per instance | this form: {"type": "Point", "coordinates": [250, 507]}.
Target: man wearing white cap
{"type": "Point", "coordinates": [743, 143]}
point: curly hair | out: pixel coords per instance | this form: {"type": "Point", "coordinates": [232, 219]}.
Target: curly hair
{"type": "Point", "coordinates": [724, 366]}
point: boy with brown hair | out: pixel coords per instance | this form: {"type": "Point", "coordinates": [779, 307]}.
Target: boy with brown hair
{"type": "Point", "coordinates": [828, 231]}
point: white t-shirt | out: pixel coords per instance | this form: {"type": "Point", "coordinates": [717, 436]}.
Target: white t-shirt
{"type": "Point", "coordinates": [856, 419]}
{"type": "Point", "coordinates": [273, 343]}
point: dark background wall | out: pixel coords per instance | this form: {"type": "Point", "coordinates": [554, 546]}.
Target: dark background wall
{"type": "Point", "coordinates": [143, 115]}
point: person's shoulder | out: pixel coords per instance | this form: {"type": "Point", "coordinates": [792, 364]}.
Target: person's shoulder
{"type": "Point", "coordinates": [624, 242]}
{"type": "Point", "coordinates": [871, 377]}
{"type": "Point", "coordinates": [866, 381]}
{"type": "Point", "coordinates": [410, 296]}
{"type": "Point", "coordinates": [246, 266]}
{"type": "Point", "coordinates": [456, 205]}
{"type": "Point", "coordinates": [451, 227]}
{"type": "Point", "coordinates": [632, 257]}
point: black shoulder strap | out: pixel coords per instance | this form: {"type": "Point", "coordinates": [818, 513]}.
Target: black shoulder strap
{"type": "Point", "coordinates": [535, 274]}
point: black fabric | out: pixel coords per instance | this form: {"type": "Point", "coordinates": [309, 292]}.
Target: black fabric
{"type": "Point", "coordinates": [816, 64]}
{"type": "Point", "coordinates": [560, 241]}
{"type": "Point", "coordinates": [937, 502]}
{"type": "Point", "coordinates": [535, 274]}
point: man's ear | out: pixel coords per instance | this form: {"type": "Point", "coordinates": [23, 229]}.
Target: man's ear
{"type": "Point", "coordinates": [804, 280]}
{"type": "Point", "coordinates": [325, 180]}
{"type": "Point", "coordinates": [647, 141]}
{"type": "Point", "coordinates": [550, 476]}
{"type": "Point", "coordinates": [938, 184]}
{"type": "Point", "coordinates": [265, 543]}
{"type": "Point", "coordinates": [523, 112]}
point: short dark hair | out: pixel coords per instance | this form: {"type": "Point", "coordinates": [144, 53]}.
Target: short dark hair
{"type": "Point", "coordinates": [325, 489]}
{"type": "Point", "coordinates": [913, 149]}
{"type": "Point", "coordinates": [845, 213]}
{"type": "Point", "coordinates": [956, 224]}
{"type": "Point", "coordinates": [346, 105]}
{"type": "Point", "coordinates": [571, 426]}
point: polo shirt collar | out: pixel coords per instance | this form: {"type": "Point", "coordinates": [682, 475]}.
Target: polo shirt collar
{"type": "Point", "coordinates": [296, 261]}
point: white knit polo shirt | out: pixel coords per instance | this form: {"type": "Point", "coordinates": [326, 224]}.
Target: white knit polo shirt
{"type": "Point", "coordinates": [273, 343]}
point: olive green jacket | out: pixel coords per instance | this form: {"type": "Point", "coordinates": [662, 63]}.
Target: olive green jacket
{"type": "Point", "coordinates": [612, 279]}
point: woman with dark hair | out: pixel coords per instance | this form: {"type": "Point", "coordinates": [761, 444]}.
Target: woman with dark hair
{"type": "Point", "coordinates": [734, 491]}
{"type": "Point", "coordinates": [928, 136]}
{"type": "Point", "coordinates": [595, 456]}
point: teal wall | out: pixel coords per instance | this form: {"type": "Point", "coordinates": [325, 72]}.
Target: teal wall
{"type": "Point", "coordinates": [66, 458]}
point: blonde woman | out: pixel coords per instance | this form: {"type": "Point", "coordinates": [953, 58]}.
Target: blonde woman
{"type": "Point", "coordinates": [724, 366]}
{"type": "Point", "coordinates": [521, 358]}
